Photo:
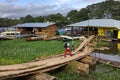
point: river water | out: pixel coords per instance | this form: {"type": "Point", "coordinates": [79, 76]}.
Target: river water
{"type": "Point", "coordinates": [112, 54]}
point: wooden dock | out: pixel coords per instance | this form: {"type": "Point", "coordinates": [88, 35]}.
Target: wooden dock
{"type": "Point", "coordinates": [40, 66]}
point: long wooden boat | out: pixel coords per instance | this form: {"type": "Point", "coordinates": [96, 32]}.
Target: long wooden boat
{"type": "Point", "coordinates": [52, 38]}
{"type": "Point", "coordinates": [33, 39]}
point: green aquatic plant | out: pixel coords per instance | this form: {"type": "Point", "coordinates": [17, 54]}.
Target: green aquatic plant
{"type": "Point", "coordinates": [102, 72]}
{"type": "Point", "coordinates": [20, 51]}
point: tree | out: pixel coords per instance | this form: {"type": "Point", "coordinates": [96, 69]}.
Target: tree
{"type": "Point", "coordinates": [39, 19]}
{"type": "Point", "coordinates": [58, 18]}
{"type": "Point", "coordinates": [106, 9]}
{"type": "Point", "coordinates": [21, 20]}
{"type": "Point", "coordinates": [28, 19]}
{"type": "Point", "coordinates": [83, 14]}
{"type": "Point", "coordinates": [73, 16]}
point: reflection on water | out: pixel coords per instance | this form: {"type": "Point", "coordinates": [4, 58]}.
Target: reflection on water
{"type": "Point", "coordinates": [112, 54]}
{"type": "Point", "coordinates": [114, 49]}
{"type": "Point", "coordinates": [110, 57]}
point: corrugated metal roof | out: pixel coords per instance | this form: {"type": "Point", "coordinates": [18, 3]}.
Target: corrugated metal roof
{"type": "Point", "coordinates": [98, 23]}
{"type": "Point", "coordinates": [35, 25]}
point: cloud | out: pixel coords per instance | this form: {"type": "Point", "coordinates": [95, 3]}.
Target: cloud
{"type": "Point", "coordinates": [13, 11]}
{"type": "Point", "coordinates": [10, 10]}
{"type": "Point", "coordinates": [21, 8]}
{"type": "Point", "coordinates": [62, 1]}
{"type": "Point", "coordinates": [10, 1]}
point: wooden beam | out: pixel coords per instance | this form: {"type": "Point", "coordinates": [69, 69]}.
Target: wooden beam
{"type": "Point", "coordinates": [44, 65]}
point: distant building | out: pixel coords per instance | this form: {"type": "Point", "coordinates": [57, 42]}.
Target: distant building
{"type": "Point", "coordinates": [38, 28]}
{"type": "Point", "coordinates": [2, 29]}
{"type": "Point", "coordinates": [100, 27]}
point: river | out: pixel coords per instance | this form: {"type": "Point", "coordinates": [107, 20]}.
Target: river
{"type": "Point", "coordinates": [112, 54]}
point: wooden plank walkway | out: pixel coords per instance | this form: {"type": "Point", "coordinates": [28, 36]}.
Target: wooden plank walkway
{"type": "Point", "coordinates": [45, 65]}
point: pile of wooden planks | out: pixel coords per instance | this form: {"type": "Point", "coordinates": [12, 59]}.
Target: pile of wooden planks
{"type": "Point", "coordinates": [45, 65]}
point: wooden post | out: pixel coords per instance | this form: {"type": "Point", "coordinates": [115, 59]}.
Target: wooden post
{"type": "Point", "coordinates": [88, 60]}
{"type": "Point", "coordinates": [81, 68]}
{"type": "Point", "coordinates": [42, 76]}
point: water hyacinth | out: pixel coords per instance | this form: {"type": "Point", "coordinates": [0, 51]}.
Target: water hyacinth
{"type": "Point", "coordinates": [19, 51]}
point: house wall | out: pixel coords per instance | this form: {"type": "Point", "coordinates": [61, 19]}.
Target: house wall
{"type": "Point", "coordinates": [102, 31]}
{"type": "Point", "coordinates": [49, 31]}
{"type": "Point", "coordinates": [118, 34]}
{"type": "Point", "coordinates": [22, 30]}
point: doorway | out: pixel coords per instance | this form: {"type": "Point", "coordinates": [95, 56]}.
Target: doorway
{"type": "Point", "coordinates": [115, 34]}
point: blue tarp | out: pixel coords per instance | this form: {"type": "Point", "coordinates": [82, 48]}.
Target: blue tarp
{"type": "Point", "coordinates": [61, 32]}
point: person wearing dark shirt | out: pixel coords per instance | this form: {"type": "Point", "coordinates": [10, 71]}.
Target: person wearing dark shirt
{"type": "Point", "coordinates": [67, 49]}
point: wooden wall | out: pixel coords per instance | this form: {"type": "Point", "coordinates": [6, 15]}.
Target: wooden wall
{"type": "Point", "coordinates": [50, 30]}
{"type": "Point", "coordinates": [22, 30]}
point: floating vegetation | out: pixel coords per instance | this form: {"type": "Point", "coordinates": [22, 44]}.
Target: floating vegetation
{"type": "Point", "coordinates": [19, 51]}
{"type": "Point", "coordinates": [101, 72]}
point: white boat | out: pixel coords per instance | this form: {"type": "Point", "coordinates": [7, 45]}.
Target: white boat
{"type": "Point", "coordinates": [69, 37]}
{"type": "Point", "coordinates": [10, 35]}
{"type": "Point", "coordinates": [65, 38]}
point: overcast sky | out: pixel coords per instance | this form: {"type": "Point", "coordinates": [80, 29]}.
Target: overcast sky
{"type": "Point", "coordinates": [21, 8]}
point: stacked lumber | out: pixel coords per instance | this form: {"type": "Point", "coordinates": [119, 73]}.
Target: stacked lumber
{"type": "Point", "coordinates": [88, 60]}
{"type": "Point", "coordinates": [83, 65]}
{"type": "Point", "coordinates": [83, 69]}
{"type": "Point", "coordinates": [80, 68]}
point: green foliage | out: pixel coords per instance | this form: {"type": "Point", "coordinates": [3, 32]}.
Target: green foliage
{"type": "Point", "coordinates": [39, 19]}
{"type": "Point", "coordinates": [64, 74]}
{"type": "Point", "coordinates": [19, 51]}
{"type": "Point", "coordinates": [83, 14]}
{"type": "Point", "coordinates": [58, 18]}
{"type": "Point", "coordinates": [106, 9]}
{"type": "Point", "coordinates": [102, 72]}
{"type": "Point", "coordinates": [72, 15]}
{"type": "Point", "coordinates": [102, 43]}
{"type": "Point", "coordinates": [8, 22]}
{"type": "Point", "coordinates": [28, 19]}
{"type": "Point", "coordinates": [77, 16]}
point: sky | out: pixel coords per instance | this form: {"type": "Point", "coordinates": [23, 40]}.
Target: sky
{"type": "Point", "coordinates": [22, 8]}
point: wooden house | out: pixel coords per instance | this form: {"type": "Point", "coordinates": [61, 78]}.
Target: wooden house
{"type": "Point", "coordinates": [100, 27]}
{"type": "Point", "coordinates": [48, 29]}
